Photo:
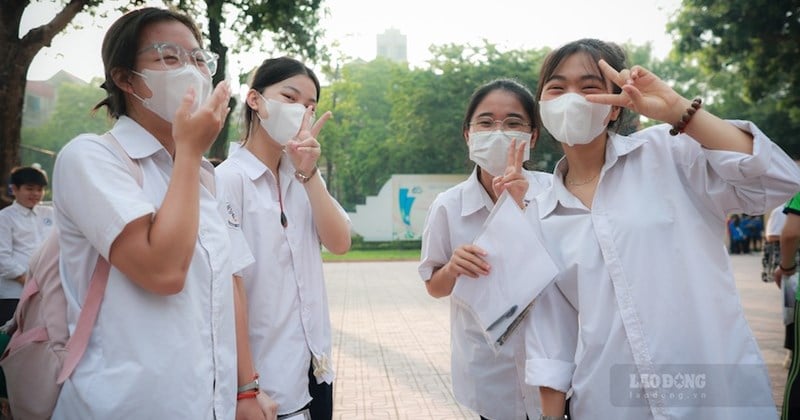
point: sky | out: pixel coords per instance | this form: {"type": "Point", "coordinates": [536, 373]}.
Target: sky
{"type": "Point", "coordinates": [354, 24]}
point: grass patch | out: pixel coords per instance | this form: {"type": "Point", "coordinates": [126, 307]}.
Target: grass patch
{"type": "Point", "coordinates": [373, 255]}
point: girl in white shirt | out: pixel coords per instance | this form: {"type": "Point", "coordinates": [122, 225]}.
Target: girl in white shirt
{"type": "Point", "coordinates": [499, 113]}
{"type": "Point", "coordinates": [164, 344]}
{"type": "Point", "coordinates": [276, 194]}
{"type": "Point", "coordinates": [645, 321]}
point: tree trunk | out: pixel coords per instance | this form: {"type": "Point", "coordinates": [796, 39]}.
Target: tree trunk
{"type": "Point", "coordinates": [15, 60]}
{"type": "Point", "coordinates": [214, 11]}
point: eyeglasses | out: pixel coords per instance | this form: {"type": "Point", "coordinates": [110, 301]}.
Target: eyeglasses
{"type": "Point", "coordinates": [174, 56]}
{"type": "Point", "coordinates": [508, 124]}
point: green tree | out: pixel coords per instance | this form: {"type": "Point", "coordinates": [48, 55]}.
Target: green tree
{"type": "Point", "coordinates": [71, 116]}
{"type": "Point", "coordinates": [756, 40]}
{"type": "Point", "coordinates": [17, 55]}
{"type": "Point", "coordinates": [291, 24]}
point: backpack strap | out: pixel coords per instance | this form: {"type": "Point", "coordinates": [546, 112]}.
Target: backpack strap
{"type": "Point", "coordinates": [79, 339]}
{"type": "Point", "coordinates": [133, 167]}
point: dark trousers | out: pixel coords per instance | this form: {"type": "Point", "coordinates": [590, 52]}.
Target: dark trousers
{"type": "Point", "coordinates": [321, 405]}
{"type": "Point", "coordinates": [791, 395]}
{"type": "Point", "coordinates": [7, 308]}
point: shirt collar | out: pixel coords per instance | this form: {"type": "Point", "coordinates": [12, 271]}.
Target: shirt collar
{"type": "Point", "coordinates": [617, 146]}
{"type": "Point", "coordinates": [474, 197]}
{"type": "Point", "coordinates": [255, 168]}
{"type": "Point", "coordinates": [22, 209]}
{"type": "Point", "coordinates": [137, 142]}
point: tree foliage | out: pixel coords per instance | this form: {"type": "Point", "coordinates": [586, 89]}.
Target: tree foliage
{"type": "Point", "coordinates": [71, 116]}
{"type": "Point", "coordinates": [755, 43]}
{"type": "Point", "coordinates": [292, 26]}
{"type": "Point", "coordinates": [16, 55]}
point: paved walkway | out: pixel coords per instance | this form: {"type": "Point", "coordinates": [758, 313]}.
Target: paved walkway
{"type": "Point", "coordinates": [392, 342]}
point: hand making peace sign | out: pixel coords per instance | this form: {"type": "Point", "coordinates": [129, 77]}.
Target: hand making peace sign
{"type": "Point", "coordinates": [304, 149]}
{"type": "Point", "coordinates": [513, 180]}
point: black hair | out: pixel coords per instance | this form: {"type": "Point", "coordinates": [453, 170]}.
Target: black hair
{"type": "Point", "coordinates": [522, 93]}
{"type": "Point", "coordinates": [271, 71]}
{"type": "Point", "coordinates": [26, 175]}
{"type": "Point", "coordinates": [612, 53]}
{"type": "Point", "coordinates": [120, 47]}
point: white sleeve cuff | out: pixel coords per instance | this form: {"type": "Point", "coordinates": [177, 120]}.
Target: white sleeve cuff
{"type": "Point", "coordinates": [550, 373]}
{"type": "Point", "coordinates": [734, 166]}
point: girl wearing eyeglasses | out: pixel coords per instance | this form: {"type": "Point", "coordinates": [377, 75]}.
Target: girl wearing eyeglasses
{"type": "Point", "coordinates": [500, 121]}
{"type": "Point", "coordinates": [164, 343]}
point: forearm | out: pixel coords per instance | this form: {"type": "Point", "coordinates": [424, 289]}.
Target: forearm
{"type": "Point", "coordinates": [790, 237]}
{"type": "Point", "coordinates": [553, 402]}
{"type": "Point", "coordinates": [441, 282]}
{"type": "Point", "coordinates": [173, 233]}
{"type": "Point", "coordinates": [332, 227]}
{"type": "Point", "coordinates": [715, 133]}
{"type": "Point", "coordinates": [155, 252]}
{"type": "Point", "coordinates": [246, 370]}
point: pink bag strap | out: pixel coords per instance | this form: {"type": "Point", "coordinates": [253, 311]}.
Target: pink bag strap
{"type": "Point", "coordinates": [79, 339]}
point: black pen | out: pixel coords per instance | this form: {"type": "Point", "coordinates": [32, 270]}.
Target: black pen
{"type": "Point", "coordinates": [508, 314]}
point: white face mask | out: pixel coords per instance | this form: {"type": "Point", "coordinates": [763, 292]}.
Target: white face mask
{"type": "Point", "coordinates": [572, 119]}
{"type": "Point", "coordinates": [169, 86]}
{"type": "Point", "coordinates": [283, 119]}
{"type": "Point", "coordinates": [489, 149]}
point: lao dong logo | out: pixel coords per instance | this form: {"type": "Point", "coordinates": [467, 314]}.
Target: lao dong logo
{"type": "Point", "coordinates": [668, 380]}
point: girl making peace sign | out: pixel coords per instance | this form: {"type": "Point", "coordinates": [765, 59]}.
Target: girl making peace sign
{"type": "Point", "coordinates": [275, 192]}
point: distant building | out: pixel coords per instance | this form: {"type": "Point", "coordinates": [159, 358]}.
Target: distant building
{"type": "Point", "coordinates": [392, 45]}
{"type": "Point", "coordinates": [41, 95]}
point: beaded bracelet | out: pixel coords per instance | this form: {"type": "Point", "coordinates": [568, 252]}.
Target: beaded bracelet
{"type": "Point", "coordinates": [246, 394]}
{"type": "Point", "coordinates": [686, 117]}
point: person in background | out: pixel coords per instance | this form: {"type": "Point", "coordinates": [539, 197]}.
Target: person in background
{"type": "Point", "coordinates": [23, 226]}
{"type": "Point", "coordinates": [769, 262]}
{"type": "Point", "coordinates": [647, 290]}
{"type": "Point", "coordinates": [500, 114]}
{"type": "Point", "coordinates": [167, 343]}
{"type": "Point", "coordinates": [278, 197]}
{"type": "Point", "coordinates": [787, 267]}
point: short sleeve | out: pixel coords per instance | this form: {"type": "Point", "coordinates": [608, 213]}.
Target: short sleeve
{"type": "Point", "coordinates": [436, 247]}
{"type": "Point", "coordinates": [95, 192]}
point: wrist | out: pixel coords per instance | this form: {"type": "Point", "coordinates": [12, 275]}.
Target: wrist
{"type": "Point", "coordinates": [305, 176]}
{"type": "Point", "coordinates": [253, 385]}
{"type": "Point", "coordinates": [246, 395]}
{"type": "Point", "coordinates": [788, 269]}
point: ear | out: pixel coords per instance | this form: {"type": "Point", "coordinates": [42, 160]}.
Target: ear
{"type": "Point", "coordinates": [466, 136]}
{"type": "Point", "coordinates": [534, 137]}
{"type": "Point", "coordinates": [122, 78]}
{"type": "Point", "coordinates": [615, 111]}
{"type": "Point", "coordinates": [253, 100]}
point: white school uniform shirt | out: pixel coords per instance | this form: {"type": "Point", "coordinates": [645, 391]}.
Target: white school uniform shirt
{"type": "Point", "coordinates": [491, 385]}
{"type": "Point", "coordinates": [22, 230]}
{"type": "Point", "coordinates": [777, 218]}
{"type": "Point", "coordinates": [647, 295]}
{"type": "Point", "coordinates": [149, 356]}
{"type": "Point", "coordinates": [288, 314]}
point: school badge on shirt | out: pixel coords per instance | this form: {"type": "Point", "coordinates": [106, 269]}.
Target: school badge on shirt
{"type": "Point", "coordinates": [233, 219]}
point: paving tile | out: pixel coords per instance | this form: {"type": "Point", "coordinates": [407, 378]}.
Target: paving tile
{"type": "Point", "coordinates": [392, 341]}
